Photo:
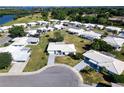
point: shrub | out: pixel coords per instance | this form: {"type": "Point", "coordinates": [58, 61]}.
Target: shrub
{"type": "Point", "coordinates": [6, 44]}
{"type": "Point", "coordinates": [5, 60]}
{"type": "Point", "coordinates": [17, 31]}
{"type": "Point", "coordinates": [77, 56]}
{"type": "Point", "coordinates": [117, 78]}
{"type": "Point", "coordinates": [101, 45]}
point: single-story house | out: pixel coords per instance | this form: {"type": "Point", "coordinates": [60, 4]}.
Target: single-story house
{"type": "Point", "coordinates": [113, 28]}
{"type": "Point", "coordinates": [32, 24]}
{"type": "Point", "coordinates": [21, 55]}
{"type": "Point", "coordinates": [89, 26]}
{"type": "Point", "coordinates": [34, 33]}
{"type": "Point", "coordinates": [101, 27]}
{"type": "Point", "coordinates": [58, 27]}
{"type": "Point", "coordinates": [75, 23]}
{"type": "Point", "coordinates": [42, 22]}
{"type": "Point", "coordinates": [98, 60]}
{"type": "Point", "coordinates": [116, 42]}
{"type": "Point", "coordinates": [121, 34]}
{"type": "Point", "coordinates": [42, 30]}
{"type": "Point", "coordinates": [32, 40]}
{"type": "Point", "coordinates": [19, 41]}
{"type": "Point", "coordinates": [20, 24]}
{"type": "Point", "coordinates": [61, 48]}
{"type": "Point", "coordinates": [5, 28]}
{"type": "Point", "coordinates": [75, 31]}
{"type": "Point", "coordinates": [54, 20]}
{"type": "Point", "coordinates": [45, 29]}
{"type": "Point", "coordinates": [90, 35]}
{"type": "Point", "coordinates": [65, 21]}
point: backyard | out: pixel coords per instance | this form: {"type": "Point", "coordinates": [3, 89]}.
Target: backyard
{"type": "Point", "coordinates": [119, 54]}
{"type": "Point", "coordinates": [38, 57]}
{"type": "Point", "coordinates": [80, 45]}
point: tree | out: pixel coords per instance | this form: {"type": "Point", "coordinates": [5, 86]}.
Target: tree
{"type": "Point", "coordinates": [114, 32]}
{"type": "Point", "coordinates": [5, 60]}
{"type": "Point", "coordinates": [17, 31]}
{"type": "Point", "coordinates": [57, 37]}
{"type": "Point", "coordinates": [101, 45]}
{"type": "Point", "coordinates": [77, 56]}
{"type": "Point", "coordinates": [102, 20]}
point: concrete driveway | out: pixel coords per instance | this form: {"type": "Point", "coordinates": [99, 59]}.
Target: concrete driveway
{"type": "Point", "coordinates": [49, 76]}
{"type": "Point", "coordinates": [80, 65]}
{"type": "Point", "coordinates": [51, 59]}
{"type": "Point", "coordinates": [17, 67]}
{"type": "Point", "coordinates": [4, 40]}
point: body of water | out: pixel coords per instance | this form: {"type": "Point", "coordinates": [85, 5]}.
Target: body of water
{"type": "Point", "coordinates": [6, 18]}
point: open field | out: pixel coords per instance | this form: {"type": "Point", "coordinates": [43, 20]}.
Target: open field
{"type": "Point", "coordinates": [26, 19]}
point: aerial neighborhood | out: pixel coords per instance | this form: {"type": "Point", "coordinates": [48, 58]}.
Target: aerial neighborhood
{"type": "Point", "coordinates": [92, 50]}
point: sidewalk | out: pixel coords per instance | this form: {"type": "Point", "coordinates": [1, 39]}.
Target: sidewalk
{"type": "Point", "coordinates": [80, 65]}
{"type": "Point", "coordinates": [51, 59]}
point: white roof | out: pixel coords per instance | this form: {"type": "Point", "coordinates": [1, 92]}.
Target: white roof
{"type": "Point", "coordinates": [121, 34]}
{"type": "Point", "coordinates": [61, 46]}
{"type": "Point", "coordinates": [32, 39]}
{"type": "Point", "coordinates": [43, 22]}
{"type": "Point", "coordinates": [54, 20]}
{"type": "Point", "coordinates": [91, 34]}
{"type": "Point", "coordinates": [65, 21]}
{"type": "Point", "coordinates": [114, 65]}
{"type": "Point", "coordinates": [5, 27]}
{"type": "Point", "coordinates": [20, 41]}
{"type": "Point", "coordinates": [32, 32]}
{"type": "Point", "coordinates": [114, 41]}
{"type": "Point", "coordinates": [113, 28]}
{"type": "Point", "coordinates": [20, 54]}
{"type": "Point", "coordinates": [32, 23]}
{"type": "Point", "coordinates": [76, 23]}
{"type": "Point", "coordinates": [20, 24]}
{"type": "Point", "coordinates": [89, 24]}
{"type": "Point", "coordinates": [100, 26]}
{"type": "Point", "coordinates": [58, 26]}
{"type": "Point", "coordinates": [78, 31]}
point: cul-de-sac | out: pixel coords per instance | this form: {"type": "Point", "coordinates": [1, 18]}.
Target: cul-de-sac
{"type": "Point", "coordinates": [61, 46]}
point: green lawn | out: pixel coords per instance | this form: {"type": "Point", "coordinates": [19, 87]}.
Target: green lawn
{"type": "Point", "coordinates": [90, 76]}
{"type": "Point", "coordinates": [79, 43]}
{"type": "Point", "coordinates": [26, 19]}
{"type": "Point", "coordinates": [38, 56]}
{"type": "Point", "coordinates": [119, 54]}
{"type": "Point", "coordinates": [66, 60]}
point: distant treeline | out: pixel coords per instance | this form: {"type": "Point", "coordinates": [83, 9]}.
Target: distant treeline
{"type": "Point", "coordinates": [85, 14]}
{"type": "Point", "coordinates": [82, 14]}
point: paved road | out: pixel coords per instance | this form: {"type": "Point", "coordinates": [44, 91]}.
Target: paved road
{"type": "Point", "coordinates": [4, 40]}
{"type": "Point", "coordinates": [51, 59]}
{"type": "Point", "coordinates": [17, 67]}
{"type": "Point", "coordinates": [52, 76]}
{"type": "Point", "coordinates": [80, 65]}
